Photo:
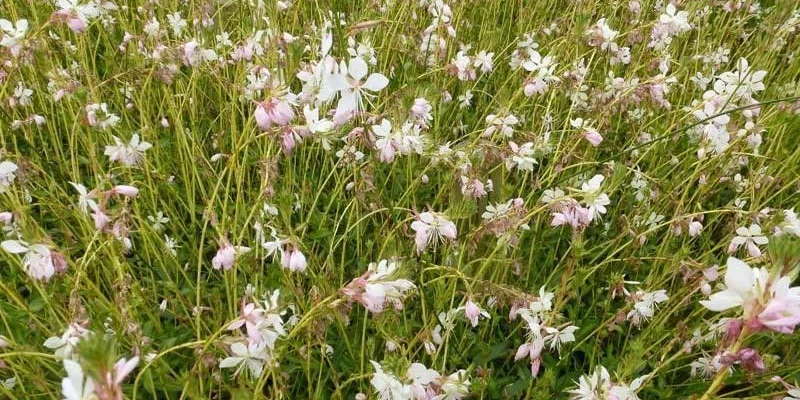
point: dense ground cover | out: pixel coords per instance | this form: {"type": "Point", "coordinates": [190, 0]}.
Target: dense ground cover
{"type": "Point", "coordinates": [427, 199]}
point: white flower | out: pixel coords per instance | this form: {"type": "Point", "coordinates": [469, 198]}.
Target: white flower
{"type": "Point", "coordinates": [380, 286]}
{"type": "Point", "coordinates": [557, 337]}
{"type": "Point", "coordinates": [23, 94]}
{"type": "Point", "coordinates": [431, 229]}
{"type": "Point", "coordinates": [645, 307]}
{"type": "Point", "coordinates": [521, 157]}
{"type": "Point", "coordinates": [794, 394]}
{"type": "Point", "coordinates": [743, 285]}
{"type": "Point", "coordinates": [14, 34]}
{"type": "Point", "coordinates": [350, 84]}
{"type": "Point", "coordinates": [99, 117]}
{"type": "Point", "coordinates": [85, 202]}
{"type": "Point", "coordinates": [37, 261]}
{"type": "Point", "coordinates": [7, 174]}
{"type": "Point", "coordinates": [504, 125]}
{"type": "Point", "coordinates": [387, 386]}
{"type": "Point", "coordinates": [171, 245]}
{"type": "Point", "coordinates": [65, 345]}
{"type": "Point", "coordinates": [454, 387]}
{"type": "Point", "coordinates": [594, 200]}
{"type": "Point", "coordinates": [313, 121]}
{"type": "Point", "coordinates": [483, 60]}
{"type": "Point", "coordinates": [158, 221]}
{"type": "Point", "coordinates": [252, 356]}
{"type": "Point", "coordinates": [742, 82]}
{"type": "Point", "coordinates": [750, 237]}
{"type": "Point", "coordinates": [128, 154]}
{"type": "Point", "coordinates": [593, 387]}
{"type": "Point", "coordinates": [627, 392]}
{"type": "Point", "coordinates": [76, 386]}
{"type": "Point", "coordinates": [176, 22]}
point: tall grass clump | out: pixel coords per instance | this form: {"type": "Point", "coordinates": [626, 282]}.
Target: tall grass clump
{"type": "Point", "coordinates": [399, 199]}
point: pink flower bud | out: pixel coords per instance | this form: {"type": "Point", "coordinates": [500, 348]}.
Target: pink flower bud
{"type": "Point", "coordinates": [750, 360]}
{"type": "Point", "coordinates": [59, 262]}
{"type": "Point", "coordinates": [294, 260]}
{"type": "Point", "coordinates": [732, 329]}
{"type": "Point", "coordinates": [705, 288]}
{"type": "Point", "coordinates": [101, 219]}
{"type": "Point", "coordinates": [472, 312]}
{"type": "Point", "coordinates": [125, 190]}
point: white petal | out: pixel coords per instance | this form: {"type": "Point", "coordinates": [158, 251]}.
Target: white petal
{"type": "Point", "coordinates": [14, 246]}
{"type": "Point", "coordinates": [230, 362]}
{"type": "Point", "coordinates": [722, 301]}
{"type": "Point", "coordinates": [358, 68]}
{"type": "Point", "coordinates": [739, 276]}
{"type": "Point", "coordinates": [376, 82]}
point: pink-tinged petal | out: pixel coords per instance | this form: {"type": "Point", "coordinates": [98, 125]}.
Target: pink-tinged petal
{"type": "Point", "coordinates": [722, 301]}
{"type": "Point", "coordinates": [125, 190]}
{"type": "Point", "coordinates": [421, 240]}
{"type": "Point", "coordinates": [419, 226]}
{"type": "Point", "coordinates": [376, 82]}
{"type": "Point", "coordinates": [357, 68]}
{"type": "Point", "coordinates": [448, 230]}
{"type": "Point", "coordinates": [739, 276]}
{"type": "Point", "coordinates": [236, 324]}
{"type": "Point", "coordinates": [753, 249]}
{"type": "Point", "coordinates": [262, 118]}
{"type": "Point", "coordinates": [523, 351]}
{"type": "Point", "coordinates": [123, 368]}
{"type": "Point", "coordinates": [77, 25]}
{"type": "Point", "coordinates": [593, 137]}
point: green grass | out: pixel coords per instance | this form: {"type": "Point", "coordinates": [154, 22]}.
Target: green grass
{"type": "Point", "coordinates": [343, 216]}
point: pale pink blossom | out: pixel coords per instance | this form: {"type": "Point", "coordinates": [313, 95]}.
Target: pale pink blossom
{"type": "Point", "coordinates": [294, 260]}
{"type": "Point", "coordinates": [273, 111]}
{"type": "Point", "coordinates": [431, 229]}
{"type": "Point", "coordinates": [474, 313]}
{"type": "Point", "coordinates": [226, 256]}
{"type": "Point", "coordinates": [125, 190]}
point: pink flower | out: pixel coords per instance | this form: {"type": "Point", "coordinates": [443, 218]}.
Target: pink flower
{"type": "Point", "coordinates": [294, 260]}
{"type": "Point", "coordinates": [250, 317]}
{"type": "Point", "coordinates": [101, 219]}
{"type": "Point", "coordinates": [532, 350]}
{"type": "Point", "coordinates": [59, 261]}
{"type": "Point", "coordinates": [593, 137]}
{"type": "Point", "coordinates": [779, 317]}
{"type": "Point", "coordinates": [782, 313]}
{"type": "Point", "coordinates": [273, 111]}
{"type": "Point", "coordinates": [750, 360]}
{"type": "Point", "coordinates": [122, 368]}
{"type": "Point", "coordinates": [534, 86]}
{"type": "Point", "coordinates": [226, 255]}
{"type": "Point", "coordinates": [6, 217]}
{"type": "Point", "coordinates": [74, 22]}
{"type": "Point", "coordinates": [474, 313]}
{"type": "Point", "coordinates": [572, 214]}
{"type": "Point", "coordinates": [378, 286]}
